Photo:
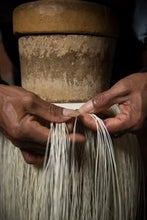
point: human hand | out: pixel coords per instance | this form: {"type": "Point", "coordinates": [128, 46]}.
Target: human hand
{"type": "Point", "coordinates": [20, 116]}
{"type": "Point", "coordinates": [130, 94]}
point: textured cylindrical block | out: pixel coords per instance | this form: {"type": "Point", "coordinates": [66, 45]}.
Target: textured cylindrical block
{"type": "Point", "coordinates": [66, 48]}
{"type": "Point", "coordinates": [66, 68]}
{"type": "Point", "coordinates": [65, 16]}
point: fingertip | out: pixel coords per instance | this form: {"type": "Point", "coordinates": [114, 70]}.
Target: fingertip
{"type": "Point", "coordinates": [31, 159]}
{"type": "Point", "coordinates": [88, 121]}
{"type": "Point", "coordinates": [70, 113]}
{"type": "Point", "coordinates": [86, 107]}
{"type": "Point", "coordinates": [77, 138]}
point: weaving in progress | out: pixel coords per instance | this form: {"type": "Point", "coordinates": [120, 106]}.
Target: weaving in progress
{"type": "Point", "coordinates": [99, 180]}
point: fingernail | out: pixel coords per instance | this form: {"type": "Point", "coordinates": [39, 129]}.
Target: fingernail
{"type": "Point", "coordinates": [86, 108]}
{"type": "Point", "coordinates": [70, 113]}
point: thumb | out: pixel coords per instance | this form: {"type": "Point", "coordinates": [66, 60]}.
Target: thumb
{"type": "Point", "coordinates": [104, 100]}
{"type": "Point", "coordinates": [45, 110]}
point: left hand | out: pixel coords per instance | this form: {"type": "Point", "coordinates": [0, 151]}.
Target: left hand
{"type": "Point", "coordinates": [25, 120]}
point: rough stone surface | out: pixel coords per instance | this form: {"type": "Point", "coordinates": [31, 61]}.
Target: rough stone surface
{"type": "Point", "coordinates": [66, 68]}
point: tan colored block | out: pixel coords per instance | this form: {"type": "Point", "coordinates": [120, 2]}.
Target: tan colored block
{"type": "Point", "coordinates": [65, 17]}
{"type": "Point", "coordinates": [66, 68]}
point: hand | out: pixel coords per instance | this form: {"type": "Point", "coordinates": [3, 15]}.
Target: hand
{"type": "Point", "coordinates": [21, 117]}
{"type": "Point", "coordinates": [130, 94]}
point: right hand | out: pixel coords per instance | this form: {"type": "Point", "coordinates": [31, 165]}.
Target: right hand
{"type": "Point", "coordinates": [20, 114]}
{"type": "Point", "coordinates": [130, 94]}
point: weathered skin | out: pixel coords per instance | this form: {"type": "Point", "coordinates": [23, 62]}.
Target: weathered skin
{"type": "Point", "coordinates": [130, 94]}
{"type": "Point", "coordinates": [20, 117]}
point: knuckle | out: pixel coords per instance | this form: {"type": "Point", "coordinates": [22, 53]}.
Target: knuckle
{"type": "Point", "coordinates": [125, 122]}
{"type": "Point", "coordinates": [54, 110]}
{"type": "Point", "coordinates": [98, 100]}
{"type": "Point", "coordinates": [101, 100]}
{"type": "Point", "coordinates": [19, 131]}
{"type": "Point", "coordinates": [15, 132]}
{"type": "Point", "coordinates": [138, 124]}
{"type": "Point", "coordinates": [122, 87]}
{"type": "Point", "coordinates": [28, 100]}
{"type": "Point", "coordinates": [134, 121]}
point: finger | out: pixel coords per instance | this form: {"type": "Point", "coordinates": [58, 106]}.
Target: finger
{"type": "Point", "coordinates": [70, 125]}
{"type": "Point", "coordinates": [105, 100]}
{"type": "Point", "coordinates": [31, 130]}
{"type": "Point", "coordinates": [32, 159]}
{"type": "Point", "coordinates": [77, 138]}
{"type": "Point", "coordinates": [120, 123]}
{"type": "Point", "coordinates": [31, 147]}
{"type": "Point", "coordinates": [37, 106]}
{"type": "Point", "coordinates": [88, 121]}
